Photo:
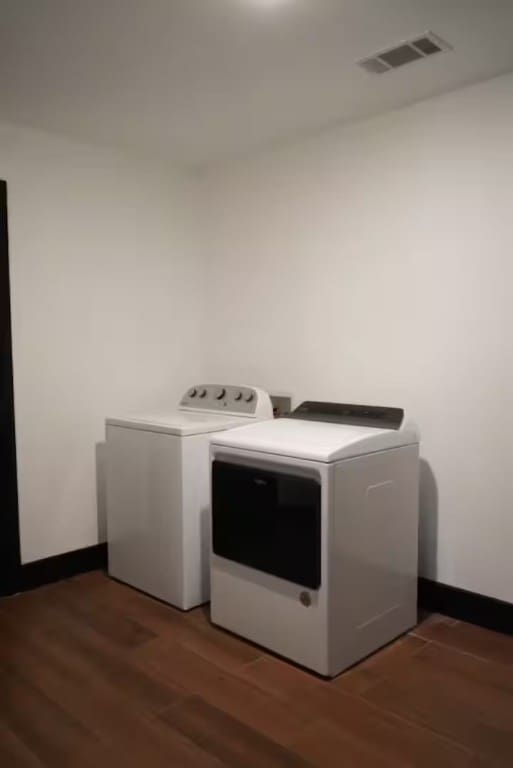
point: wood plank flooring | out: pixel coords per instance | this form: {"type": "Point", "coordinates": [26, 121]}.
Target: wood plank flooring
{"type": "Point", "coordinates": [93, 674]}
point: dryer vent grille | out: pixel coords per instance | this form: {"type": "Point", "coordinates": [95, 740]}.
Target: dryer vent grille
{"type": "Point", "coordinates": [409, 50]}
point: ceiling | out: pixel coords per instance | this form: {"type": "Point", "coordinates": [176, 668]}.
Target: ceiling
{"type": "Point", "coordinates": [200, 81]}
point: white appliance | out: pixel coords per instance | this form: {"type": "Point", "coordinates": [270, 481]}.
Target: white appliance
{"type": "Point", "coordinates": [158, 490]}
{"type": "Point", "coordinates": [315, 525]}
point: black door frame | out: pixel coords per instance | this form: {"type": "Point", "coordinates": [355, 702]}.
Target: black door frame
{"type": "Point", "coordinates": [10, 557]}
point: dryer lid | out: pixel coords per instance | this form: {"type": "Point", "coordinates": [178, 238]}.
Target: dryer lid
{"type": "Point", "coordinates": [313, 440]}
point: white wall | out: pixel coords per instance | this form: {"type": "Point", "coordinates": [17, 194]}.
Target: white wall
{"type": "Point", "coordinates": [374, 265]}
{"type": "Point", "coordinates": [105, 304]}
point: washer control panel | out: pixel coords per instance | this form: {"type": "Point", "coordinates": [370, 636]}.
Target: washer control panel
{"type": "Point", "coordinates": [246, 401]}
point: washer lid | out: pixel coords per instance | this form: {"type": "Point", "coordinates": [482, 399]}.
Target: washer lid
{"type": "Point", "coordinates": [313, 440]}
{"type": "Point", "coordinates": [179, 422]}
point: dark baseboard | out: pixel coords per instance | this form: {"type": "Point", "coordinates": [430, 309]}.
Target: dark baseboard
{"type": "Point", "coordinates": [433, 596]}
{"type": "Point", "coordinates": [466, 606]}
{"type": "Point", "coordinates": [59, 567]}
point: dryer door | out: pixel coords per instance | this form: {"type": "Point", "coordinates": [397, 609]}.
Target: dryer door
{"type": "Point", "coordinates": [270, 521]}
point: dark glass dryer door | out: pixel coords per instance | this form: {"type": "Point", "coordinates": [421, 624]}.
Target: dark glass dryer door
{"type": "Point", "coordinates": [268, 520]}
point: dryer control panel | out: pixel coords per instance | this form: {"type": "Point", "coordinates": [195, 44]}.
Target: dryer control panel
{"type": "Point", "coordinates": [227, 398]}
{"type": "Point", "coordinates": [356, 415]}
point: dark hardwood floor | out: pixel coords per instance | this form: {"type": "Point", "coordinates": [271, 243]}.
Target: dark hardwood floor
{"type": "Point", "coordinates": [94, 674]}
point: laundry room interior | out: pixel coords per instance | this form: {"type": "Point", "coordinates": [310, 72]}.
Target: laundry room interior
{"type": "Point", "coordinates": [257, 370]}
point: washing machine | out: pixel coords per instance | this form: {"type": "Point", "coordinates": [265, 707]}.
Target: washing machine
{"type": "Point", "coordinates": [315, 527]}
{"type": "Point", "coordinates": [158, 490]}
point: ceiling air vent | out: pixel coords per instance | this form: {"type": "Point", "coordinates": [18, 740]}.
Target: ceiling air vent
{"type": "Point", "coordinates": [419, 47]}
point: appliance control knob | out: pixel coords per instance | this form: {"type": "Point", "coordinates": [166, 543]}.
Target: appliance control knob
{"type": "Point", "coordinates": [220, 393]}
{"type": "Point", "coordinates": [238, 396]}
{"type": "Point", "coordinates": [193, 392]}
{"type": "Point", "coordinates": [249, 397]}
{"type": "Point", "coordinates": [203, 393]}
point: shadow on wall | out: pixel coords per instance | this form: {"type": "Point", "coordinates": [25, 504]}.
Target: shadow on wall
{"type": "Point", "coordinates": [428, 522]}
{"type": "Point", "coordinates": [101, 490]}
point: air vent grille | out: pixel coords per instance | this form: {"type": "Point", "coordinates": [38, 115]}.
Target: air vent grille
{"type": "Point", "coordinates": [406, 52]}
